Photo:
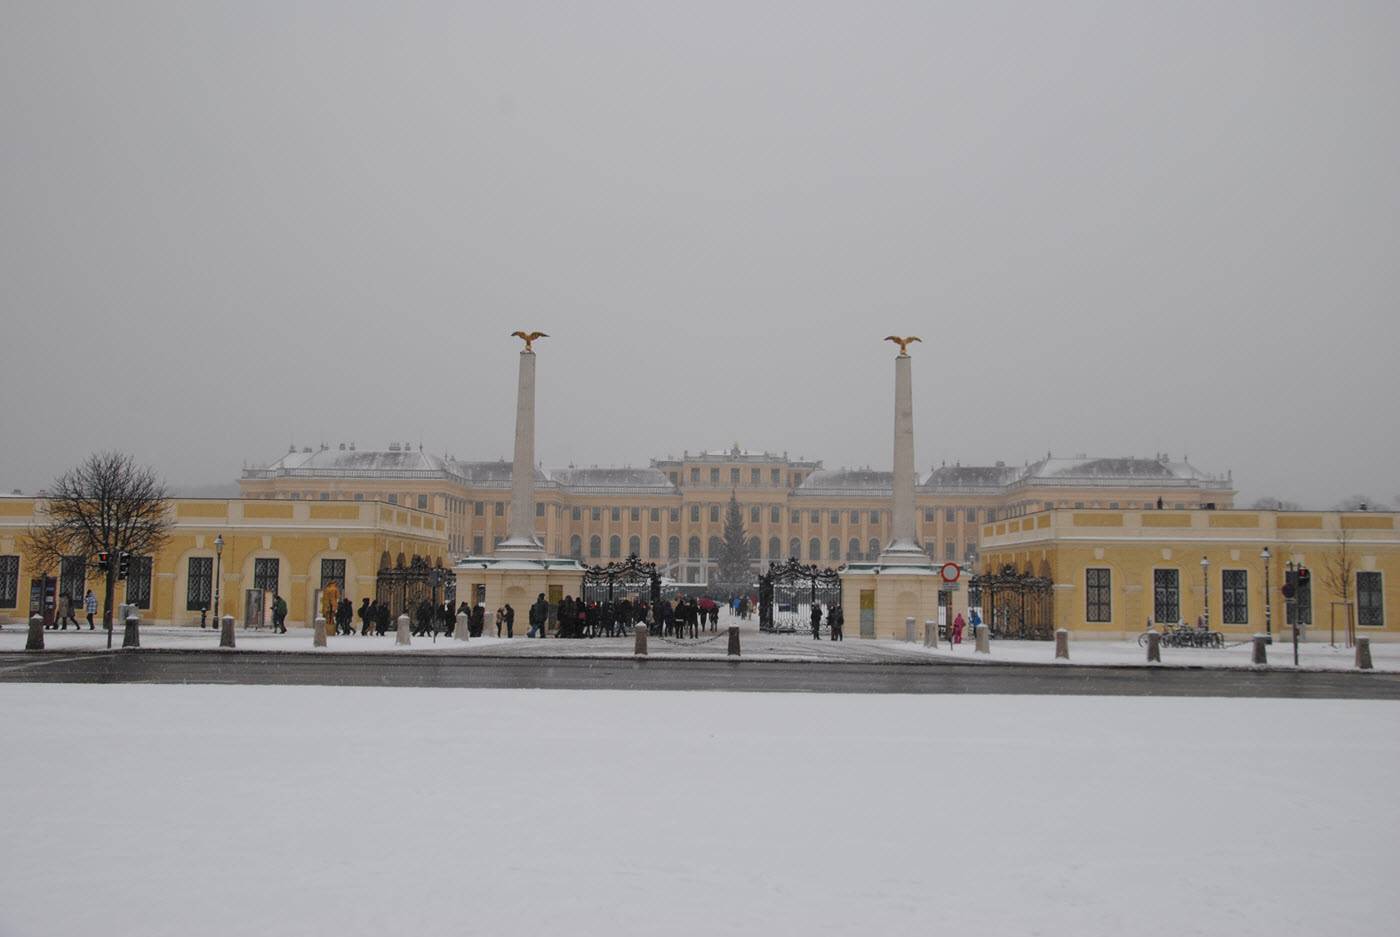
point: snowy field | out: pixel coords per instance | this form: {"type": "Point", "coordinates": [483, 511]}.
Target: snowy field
{"type": "Point", "coordinates": [755, 646]}
{"type": "Point", "coordinates": [212, 811]}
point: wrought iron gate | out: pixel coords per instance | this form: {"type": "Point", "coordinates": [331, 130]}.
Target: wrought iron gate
{"type": "Point", "coordinates": [630, 579]}
{"type": "Point", "coordinates": [403, 586]}
{"type": "Point", "coordinates": [787, 592]}
{"type": "Point", "coordinates": [1015, 605]}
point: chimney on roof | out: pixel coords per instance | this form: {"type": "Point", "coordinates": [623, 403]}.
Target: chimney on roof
{"type": "Point", "coordinates": [352, 447]}
{"type": "Point", "coordinates": [292, 447]}
{"type": "Point", "coordinates": [305, 448]}
{"type": "Point", "coordinates": [342, 447]}
{"type": "Point", "coordinates": [1001, 464]}
{"type": "Point", "coordinates": [393, 447]}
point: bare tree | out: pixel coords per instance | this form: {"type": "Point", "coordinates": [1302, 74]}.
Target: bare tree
{"type": "Point", "coordinates": [1338, 571]}
{"type": "Point", "coordinates": [108, 504]}
{"type": "Point", "coordinates": [1275, 504]}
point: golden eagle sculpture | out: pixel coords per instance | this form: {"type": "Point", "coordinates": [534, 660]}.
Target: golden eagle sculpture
{"type": "Point", "coordinates": [903, 343]}
{"type": "Point", "coordinates": [529, 338]}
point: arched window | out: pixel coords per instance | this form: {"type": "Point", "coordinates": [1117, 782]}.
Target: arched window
{"type": "Point", "coordinates": [775, 546]}
{"type": "Point", "coordinates": [673, 548]}
{"type": "Point", "coordinates": [794, 548]}
{"type": "Point", "coordinates": [874, 548]}
{"type": "Point", "coordinates": [814, 550]}
{"type": "Point", "coordinates": [834, 550]}
{"type": "Point", "coordinates": [753, 548]}
{"type": "Point", "coordinates": [694, 548]}
{"type": "Point", "coordinates": [654, 547]}
{"type": "Point", "coordinates": [576, 546]}
{"type": "Point", "coordinates": [634, 545]}
{"type": "Point", "coordinates": [853, 551]}
{"type": "Point", "coordinates": [716, 548]}
{"type": "Point", "coordinates": [614, 546]}
{"type": "Point", "coordinates": [595, 545]}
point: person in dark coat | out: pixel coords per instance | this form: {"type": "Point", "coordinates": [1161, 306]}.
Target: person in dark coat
{"type": "Point", "coordinates": [567, 621]}
{"type": "Point", "coordinates": [663, 616]}
{"type": "Point", "coordinates": [539, 616]}
{"type": "Point", "coordinates": [478, 621]}
{"type": "Point", "coordinates": [836, 618]}
{"type": "Point", "coordinates": [424, 616]}
{"type": "Point", "coordinates": [510, 621]}
{"type": "Point", "coordinates": [364, 613]}
{"type": "Point", "coordinates": [816, 622]}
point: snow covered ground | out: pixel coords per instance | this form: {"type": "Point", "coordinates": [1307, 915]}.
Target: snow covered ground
{"type": "Point", "coordinates": [214, 810]}
{"type": "Point", "coordinates": [755, 646]}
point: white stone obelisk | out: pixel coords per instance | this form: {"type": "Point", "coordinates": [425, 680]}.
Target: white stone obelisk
{"type": "Point", "coordinates": [521, 544]}
{"type": "Point", "coordinates": [903, 549]}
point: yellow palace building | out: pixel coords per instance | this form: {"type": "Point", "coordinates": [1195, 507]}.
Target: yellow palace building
{"type": "Point", "coordinates": [672, 511]}
{"type": "Point", "coordinates": [269, 547]}
{"type": "Point", "coordinates": [1113, 573]}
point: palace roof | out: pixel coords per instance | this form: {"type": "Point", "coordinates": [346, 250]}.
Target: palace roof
{"type": "Point", "coordinates": [865, 482]}
{"type": "Point", "coordinates": [344, 462]}
{"type": "Point", "coordinates": [613, 480]}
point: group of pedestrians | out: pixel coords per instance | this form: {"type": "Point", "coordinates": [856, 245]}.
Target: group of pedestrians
{"type": "Point", "coordinates": [835, 621]}
{"type": "Point", "coordinates": [67, 605]}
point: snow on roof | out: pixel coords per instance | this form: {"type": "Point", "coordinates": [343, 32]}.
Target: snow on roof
{"type": "Point", "coordinates": [971, 476]}
{"type": "Point", "coordinates": [844, 481]}
{"type": "Point", "coordinates": [331, 463]}
{"type": "Point", "coordinates": [1107, 470]}
{"type": "Point", "coordinates": [648, 479]}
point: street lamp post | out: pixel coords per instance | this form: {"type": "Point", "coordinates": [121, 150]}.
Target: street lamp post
{"type": "Point", "coordinates": [1205, 590]}
{"type": "Point", "coordinates": [218, 575]}
{"type": "Point", "coordinates": [1265, 555]}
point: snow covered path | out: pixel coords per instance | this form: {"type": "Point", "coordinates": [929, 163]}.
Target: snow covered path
{"type": "Point", "coordinates": [141, 810]}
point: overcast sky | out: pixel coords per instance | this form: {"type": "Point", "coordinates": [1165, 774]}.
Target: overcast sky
{"type": "Point", "coordinates": [1120, 228]}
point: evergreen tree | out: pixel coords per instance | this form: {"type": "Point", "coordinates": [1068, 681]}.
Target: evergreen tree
{"type": "Point", "coordinates": [734, 551]}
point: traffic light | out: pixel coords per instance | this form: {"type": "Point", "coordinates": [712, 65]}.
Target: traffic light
{"type": "Point", "coordinates": [1290, 584]}
{"type": "Point", "coordinates": [123, 565]}
{"type": "Point", "coordinates": [1304, 578]}
{"type": "Point", "coordinates": [104, 560]}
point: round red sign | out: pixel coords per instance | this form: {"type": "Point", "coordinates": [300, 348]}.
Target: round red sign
{"type": "Point", "coordinates": [950, 572]}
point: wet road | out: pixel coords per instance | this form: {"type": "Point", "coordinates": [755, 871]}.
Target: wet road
{"type": "Point", "coordinates": [407, 670]}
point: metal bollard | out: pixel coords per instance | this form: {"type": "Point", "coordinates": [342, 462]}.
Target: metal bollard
{"type": "Point", "coordinates": [131, 637]}
{"type": "Point", "coordinates": [1061, 644]}
{"type": "Point", "coordinates": [1154, 647]}
{"type": "Point", "coordinates": [984, 641]}
{"type": "Point", "coordinates": [1261, 650]}
{"type": "Point", "coordinates": [930, 633]}
{"type": "Point", "coordinates": [318, 631]}
{"type": "Point", "coordinates": [909, 629]}
{"type": "Point", "coordinates": [402, 637]}
{"type": "Point", "coordinates": [640, 647]}
{"type": "Point", "coordinates": [35, 641]}
{"type": "Point", "coordinates": [1363, 652]}
{"type": "Point", "coordinates": [226, 631]}
{"type": "Point", "coordinates": [733, 640]}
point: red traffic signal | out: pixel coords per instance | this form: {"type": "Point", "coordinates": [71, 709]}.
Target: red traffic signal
{"type": "Point", "coordinates": [104, 559]}
{"type": "Point", "coordinates": [1304, 577]}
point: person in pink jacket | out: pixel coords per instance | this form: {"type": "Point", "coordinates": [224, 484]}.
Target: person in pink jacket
{"type": "Point", "coordinates": [958, 625]}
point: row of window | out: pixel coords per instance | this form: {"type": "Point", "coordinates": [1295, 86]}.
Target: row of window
{"type": "Point", "coordinates": [1234, 598]}
{"type": "Point", "coordinates": [775, 476]}
{"type": "Point", "coordinates": [673, 548]}
{"type": "Point", "coordinates": [72, 582]}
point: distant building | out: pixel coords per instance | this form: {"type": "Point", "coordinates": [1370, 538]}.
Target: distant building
{"type": "Point", "coordinates": [672, 511]}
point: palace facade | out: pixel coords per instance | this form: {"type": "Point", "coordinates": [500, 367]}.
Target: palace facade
{"type": "Point", "coordinates": [253, 550]}
{"type": "Point", "coordinates": [1116, 572]}
{"type": "Point", "coordinates": [672, 511]}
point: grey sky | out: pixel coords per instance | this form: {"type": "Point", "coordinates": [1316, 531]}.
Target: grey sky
{"type": "Point", "coordinates": [1120, 228]}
